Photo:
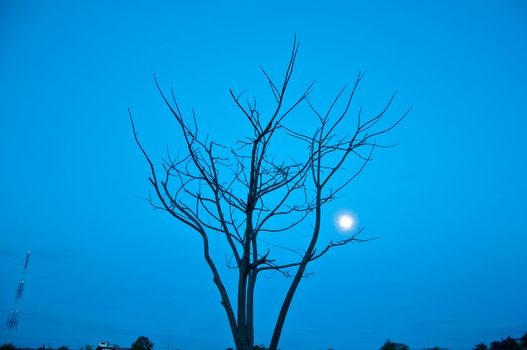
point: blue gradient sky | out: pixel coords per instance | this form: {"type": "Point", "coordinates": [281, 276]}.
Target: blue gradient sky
{"type": "Point", "coordinates": [449, 201]}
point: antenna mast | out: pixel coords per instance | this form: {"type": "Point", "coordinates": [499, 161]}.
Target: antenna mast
{"type": "Point", "coordinates": [12, 320]}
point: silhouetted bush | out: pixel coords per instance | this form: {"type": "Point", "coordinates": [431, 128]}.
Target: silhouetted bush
{"type": "Point", "coordinates": [505, 344]}
{"type": "Point", "coordinates": [142, 343]}
{"type": "Point", "coordinates": [389, 345]}
{"type": "Point", "coordinates": [8, 346]}
{"type": "Point", "coordinates": [523, 341]}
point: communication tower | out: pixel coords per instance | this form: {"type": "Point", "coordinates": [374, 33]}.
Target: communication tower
{"type": "Point", "coordinates": [12, 320]}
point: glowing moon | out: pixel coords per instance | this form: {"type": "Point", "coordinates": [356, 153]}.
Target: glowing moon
{"type": "Point", "coordinates": [345, 222]}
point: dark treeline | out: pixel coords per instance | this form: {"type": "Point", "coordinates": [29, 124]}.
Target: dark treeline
{"type": "Point", "coordinates": [10, 346]}
{"type": "Point", "coordinates": [503, 344]}
{"type": "Point", "coordinates": [143, 343]}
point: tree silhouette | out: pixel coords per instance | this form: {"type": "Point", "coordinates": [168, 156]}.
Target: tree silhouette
{"type": "Point", "coordinates": [142, 343]}
{"type": "Point", "coordinates": [505, 344]}
{"type": "Point", "coordinates": [8, 346]}
{"type": "Point", "coordinates": [248, 191]}
{"type": "Point", "coordinates": [523, 341]}
{"type": "Point", "coordinates": [389, 345]}
{"type": "Point", "coordinates": [510, 344]}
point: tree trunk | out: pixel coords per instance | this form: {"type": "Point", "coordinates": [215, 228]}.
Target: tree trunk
{"type": "Point", "coordinates": [250, 309]}
{"type": "Point", "coordinates": [298, 276]}
{"type": "Point", "coordinates": [242, 302]}
{"type": "Point", "coordinates": [245, 331]}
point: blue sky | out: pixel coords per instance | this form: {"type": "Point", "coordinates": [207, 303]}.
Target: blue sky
{"type": "Point", "coordinates": [448, 202]}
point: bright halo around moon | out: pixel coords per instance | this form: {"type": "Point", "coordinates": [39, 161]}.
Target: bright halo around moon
{"type": "Point", "coordinates": [345, 221]}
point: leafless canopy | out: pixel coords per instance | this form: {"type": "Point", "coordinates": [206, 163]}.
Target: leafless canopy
{"type": "Point", "coordinates": [244, 192]}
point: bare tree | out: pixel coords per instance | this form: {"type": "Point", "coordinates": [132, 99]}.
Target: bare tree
{"type": "Point", "coordinates": [248, 191]}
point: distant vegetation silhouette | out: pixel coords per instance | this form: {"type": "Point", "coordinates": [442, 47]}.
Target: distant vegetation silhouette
{"type": "Point", "coordinates": [261, 186]}
{"type": "Point", "coordinates": [142, 343]}
{"type": "Point", "coordinates": [503, 344]}
{"type": "Point", "coordinates": [389, 345]}
{"type": "Point", "coordinates": [8, 346]}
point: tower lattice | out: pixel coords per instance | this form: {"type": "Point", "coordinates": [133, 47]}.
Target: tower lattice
{"type": "Point", "coordinates": [12, 320]}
